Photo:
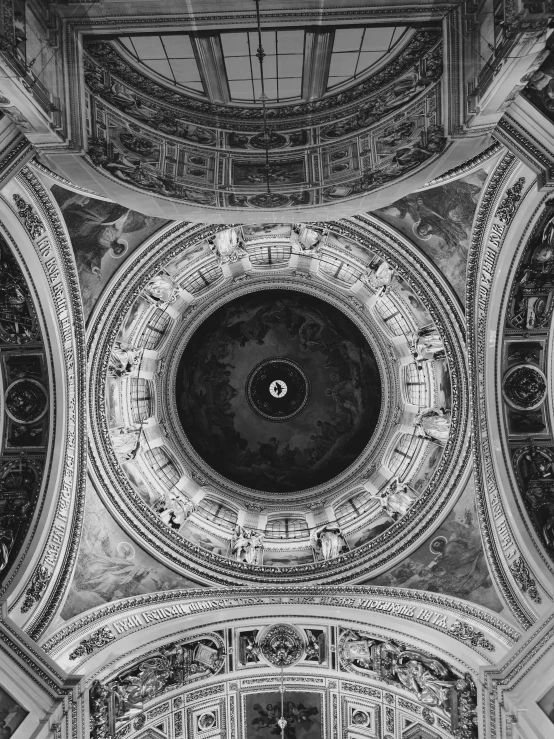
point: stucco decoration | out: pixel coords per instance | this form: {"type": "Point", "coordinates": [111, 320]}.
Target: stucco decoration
{"type": "Point", "coordinates": [160, 457]}
{"type": "Point", "coordinates": [25, 404]}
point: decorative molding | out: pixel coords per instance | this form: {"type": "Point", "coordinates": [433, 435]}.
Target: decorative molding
{"type": "Point", "coordinates": [97, 640]}
{"type": "Point", "coordinates": [465, 632]}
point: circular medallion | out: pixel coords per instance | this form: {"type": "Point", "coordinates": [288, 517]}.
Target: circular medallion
{"type": "Point", "coordinates": [26, 401]}
{"type": "Point", "coordinates": [281, 645]}
{"type": "Point", "coordinates": [277, 389]}
{"type": "Point", "coordinates": [524, 387]}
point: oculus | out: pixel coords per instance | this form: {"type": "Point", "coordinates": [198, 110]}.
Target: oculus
{"type": "Point", "coordinates": [327, 415]}
{"type": "Point", "coordinates": [524, 387]}
{"type": "Point", "coordinates": [277, 389]}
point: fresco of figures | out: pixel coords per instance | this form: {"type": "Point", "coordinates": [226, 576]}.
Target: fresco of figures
{"type": "Point", "coordinates": [451, 562]}
{"type": "Point", "coordinates": [103, 235]}
{"type": "Point", "coordinates": [439, 221]}
{"type": "Point", "coordinates": [335, 425]}
{"type": "Point", "coordinates": [110, 567]}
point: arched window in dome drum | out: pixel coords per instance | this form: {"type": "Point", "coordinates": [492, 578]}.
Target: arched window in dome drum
{"type": "Point", "coordinates": [155, 329]}
{"type": "Point", "coordinates": [162, 467]}
{"type": "Point", "coordinates": [202, 278]}
{"type": "Point", "coordinates": [141, 399]}
{"type": "Point", "coordinates": [287, 528]}
{"type": "Point", "coordinates": [417, 384]}
{"type": "Point", "coordinates": [405, 449]}
{"type": "Point", "coordinates": [393, 317]}
{"type": "Point", "coordinates": [354, 507]}
{"type": "Point", "coordinates": [269, 254]}
{"type": "Point", "coordinates": [218, 513]}
{"type": "Point", "coordinates": [338, 269]}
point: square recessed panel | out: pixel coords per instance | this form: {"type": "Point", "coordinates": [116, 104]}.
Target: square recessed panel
{"type": "Point", "coordinates": [178, 47]}
{"type": "Point", "coordinates": [148, 47]}
{"type": "Point", "coordinates": [347, 39]}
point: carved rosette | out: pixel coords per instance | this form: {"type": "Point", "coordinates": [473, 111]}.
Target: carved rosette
{"type": "Point", "coordinates": [281, 645]}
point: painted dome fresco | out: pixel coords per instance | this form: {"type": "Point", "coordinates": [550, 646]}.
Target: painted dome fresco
{"type": "Point", "coordinates": [266, 424]}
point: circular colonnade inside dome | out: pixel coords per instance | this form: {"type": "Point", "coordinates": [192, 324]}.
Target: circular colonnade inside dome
{"type": "Point", "coordinates": [279, 400]}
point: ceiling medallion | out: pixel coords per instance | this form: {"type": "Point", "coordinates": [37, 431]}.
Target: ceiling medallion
{"type": "Point", "coordinates": [524, 387]}
{"type": "Point", "coordinates": [277, 389]}
{"type": "Point", "coordinates": [281, 645]}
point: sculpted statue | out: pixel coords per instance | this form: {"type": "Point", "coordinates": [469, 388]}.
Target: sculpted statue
{"type": "Point", "coordinates": [227, 245]}
{"type": "Point", "coordinates": [378, 278]}
{"type": "Point", "coordinates": [126, 444]}
{"type": "Point", "coordinates": [174, 510]}
{"type": "Point", "coordinates": [247, 545]}
{"type": "Point", "coordinates": [427, 344]}
{"type": "Point", "coordinates": [124, 360]}
{"type": "Point", "coordinates": [396, 498]}
{"type": "Point", "coordinates": [435, 424]}
{"type": "Point", "coordinates": [327, 542]}
{"type": "Point", "coordinates": [162, 289]}
{"type": "Point", "coordinates": [423, 676]}
{"type": "Point", "coordinates": [9, 527]}
{"type": "Point", "coordinates": [303, 239]}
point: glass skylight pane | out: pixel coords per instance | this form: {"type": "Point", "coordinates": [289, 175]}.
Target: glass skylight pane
{"type": "Point", "coordinates": [237, 69]}
{"type": "Point", "coordinates": [290, 42]}
{"type": "Point", "coordinates": [337, 80]}
{"type": "Point", "coordinates": [347, 39]}
{"type": "Point", "coordinates": [257, 90]}
{"type": "Point", "coordinates": [178, 47]}
{"type": "Point", "coordinates": [377, 39]}
{"type": "Point", "coordinates": [185, 70]}
{"type": "Point", "coordinates": [290, 88]}
{"type": "Point", "coordinates": [196, 86]}
{"type": "Point", "coordinates": [240, 89]}
{"type": "Point", "coordinates": [268, 42]}
{"type": "Point", "coordinates": [343, 64]}
{"type": "Point", "coordinates": [367, 58]}
{"type": "Point", "coordinates": [271, 88]}
{"type": "Point", "coordinates": [270, 66]}
{"type": "Point", "coordinates": [127, 44]}
{"type": "Point", "coordinates": [149, 47]}
{"type": "Point", "coordinates": [234, 44]}
{"type": "Point", "coordinates": [160, 66]}
{"type": "Point", "coordinates": [290, 66]}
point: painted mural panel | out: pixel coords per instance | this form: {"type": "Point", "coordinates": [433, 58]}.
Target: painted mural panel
{"type": "Point", "coordinates": [547, 704]}
{"type": "Point", "coordinates": [439, 221]}
{"type": "Point", "coordinates": [540, 90]}
{"type": "Point", "coordinates": [451, 561]}
{"type": "Point", "coordinates": [110, 566]}
{"type": "Point", "coordinates": [12, 714]}
{"type": "Point", "coordinates": [103, 235]}
{"type": "Point", "coordinates": [302, 710]}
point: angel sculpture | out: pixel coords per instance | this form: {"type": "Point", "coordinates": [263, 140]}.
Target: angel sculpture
{"type": "Point", "coordinates": [162, 289]}
{"type": "Point", "coordinates": [227, 245]}
{"type": "Point", "coordinates": [434, 424]}
{"type": "Point", "coordinates": [423, 676]}
{"type": "Point", "coordinates": [247, 545]}
{"type": "Point", "coordinates": [304, 240]}
{"type": "Point", "coordinates": [126, 444]}
{"type": "Point", "coordinates": [173, 510]}
{"type": "Point", "coordinates": [124, 360]}
{"type": "Point", "coordinates": [356, 648]}
{"type": "Point", "coordinates": [327, 542]}
{"type": "Point", "coordinates": [396, 498]}
{"type": "Point", "coordinates": [378, 278]}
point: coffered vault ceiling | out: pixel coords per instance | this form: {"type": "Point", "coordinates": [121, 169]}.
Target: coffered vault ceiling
{"type": "Point", "coordinates": [276, 442]}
